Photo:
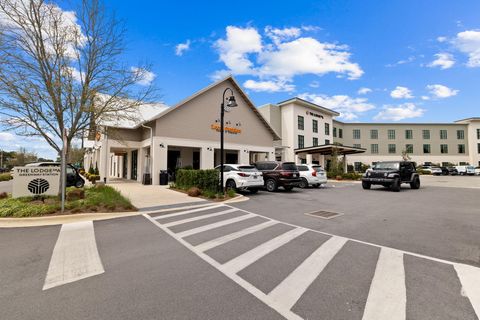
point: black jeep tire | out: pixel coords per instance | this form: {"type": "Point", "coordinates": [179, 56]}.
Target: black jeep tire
{"type": "Point", "coordinates": [303, 184]}
{"type": "Point", "coordinates": [271, 185]}
{"type": "Point", "coordinates": [395, 185]}
{"type": "Point", "coordinates": [366, 185]}
{"type": "Point", "coordinates": [415, 184]}
{"type": "Point", "coordinates": [253, 191]}
{"type": "Point", "coordinates": [79, 183]}
{"type": "Point", "coordinates": [288, 188]}
{"type": "Point", "coordinates": [230, 185]}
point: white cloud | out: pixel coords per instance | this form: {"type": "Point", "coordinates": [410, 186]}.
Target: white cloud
{"type": "Point", "coordinates": [469, 42]}
{"type": "Point", "coordinates": [348, 107]}
{"type": "Point", "coordinates": [364, 90]}
{"type": "Point", "coordinates": [425, 98]}
{"type": "Point", "coordinates": [401, 93]}
{"type": "Point", "coordinates": [269, 86]}
{"type": "Point", "coordinates": [314, 84]}
{"type": "Point", "coordinates": [6, 136]}
{"type": "Point", "coordinates": [441, 39]}
{"type": "Point", "coordinates": [182, 47]}
{"type": "Point", "coordinates": [443, 60]}
{"type": "Point", "coordinates": [400, 112]}
{"type": "Point", "coordinates": [145, 77]}
{"type": "Point", "coordinates": [441, 91]}
{"type": "Point", "coordinates": [282, 54]}
{"type": "Point", "coordinates": [400, 62]}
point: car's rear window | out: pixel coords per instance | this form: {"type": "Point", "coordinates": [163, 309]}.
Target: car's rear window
{"type": "Point", "coordinates": [318, 168]}
{"type": "Point", "coordinates": [247, 168]}
{"type": "Point", "coordinates": [302, 168]}
{"type": "Point", "coordinates": [289, 166]}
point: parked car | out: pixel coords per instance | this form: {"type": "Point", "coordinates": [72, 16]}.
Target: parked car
{"type": "Point", "coordinates": [279, 174]}
{"type": "Point", "coordinates": [392, 174]}
{"type": "Point", "coordinates": [241, 177]}
{"type": "Point", "coordinates": [452, 171]}
{"type": "Point", "coordinates": [465, 170]}
{"type": "Point", "coordinates": [477, 171]}
{"type": "Point", "coordinates": [74, 179]}
{"type": "Point", "coordinates": [311, 175]}
{"type": "Point", "coordinates": [433, 170]}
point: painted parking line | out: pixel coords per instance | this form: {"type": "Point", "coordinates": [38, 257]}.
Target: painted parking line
{"type": "Point", "coordinates": [214, 225]}
{"type": "Point", "coordinates": [205, 216]}
{"type": "Point", "coordinates": [187, 212]}
{"type": "Point", "coordinates": [387, 298]}
{"type": "Point", "coordinates": [470, 280]}
{"type": "Point", "coordinates": [75, 255]}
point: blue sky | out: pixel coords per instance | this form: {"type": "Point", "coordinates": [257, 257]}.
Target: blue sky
{"type": "Point", "coordinates": [417, 61]}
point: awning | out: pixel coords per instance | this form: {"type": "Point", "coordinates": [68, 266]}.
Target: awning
{"type": "Point", "coordinates": [327, 149]}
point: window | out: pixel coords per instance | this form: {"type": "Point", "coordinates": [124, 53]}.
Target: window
{"type": "Point", "coordinates": [426, 134]}
{"type": "Point", "coordinates": [478, 147]}
{"type": "Point", "coordinates": [315, 142]}
{"type": "Point", "coordinates": [374, 148]}
{"type": "Point", "coordinates": [327, 129]}
{"type": "Point", "coordinates": [357, 166]}
{"type": "Point", "coordinates": [444, 148]}
{"type": "Point", "coordinates": [301, 123]}
{"type": "Point", "coordinates": [391, 134]}
{"type": "Point", "coordinates": [443, 134]}
{"type": "Point", "coordinates": [340, 133]}
{"type": "Point", "coordinates": [302, 168]}
{"type": "Point", "coordinates": [327, 141]}
{"type": "Point", "coordinates": [392, 148]}
{"type": "Point", "coordinates": [426, 148]}
{"type": "Point", "coordinates": [374, 134]}
{"type": "Point", "coordinates": [460, 134]}
{"type": "Point", "coordinates": [315, 125]}
{"type": "Point", "coordinates": [478, 134]}
{"type": "Point", "coordinates": [334, 132]}
{"type": "Point", "coordinates": [301, 142]}
{"type": "Point", "coordinates": [357, 145]}
{"type": "Point", "coordinates": [356, 133]}
{"type": "Point", "coordinates": [409, 148]}
{"type": "Point", "coordinates": [408, 134]}
{"type": "Point", "coordinates": [461, 148]}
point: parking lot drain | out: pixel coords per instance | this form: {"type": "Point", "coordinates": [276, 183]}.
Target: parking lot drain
{"type": "Point", "coordinates": [324, 214]}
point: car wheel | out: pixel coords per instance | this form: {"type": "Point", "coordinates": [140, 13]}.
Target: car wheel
{"type": "Point", "coordinates": [366, 185]}
{"type": "Point", "coordinates": [271, 185]}
{"type": "Point", "coordinates": [317, 185]}
{"type": "Point", "coordinates": [288, 188]}
{"type": "Point", "coordinates": [253, 191]}
{"type": "Point", "coordinates": [231, 185]}
{"type": "Point", "coordinates": [79, 183]}
{"type": "Point", "coordinates": [396, 185]}
{"type": "Point", "coordinates": [415, 184]}
{"type": "Point", "coordinates": [303, 184]}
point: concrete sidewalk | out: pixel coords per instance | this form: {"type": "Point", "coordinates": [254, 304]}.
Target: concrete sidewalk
{"type": "Point", "coordinates": [148, 197]}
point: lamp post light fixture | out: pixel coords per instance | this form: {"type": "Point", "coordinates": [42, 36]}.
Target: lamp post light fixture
{"type": "Point", "coordinates": [231, 103]}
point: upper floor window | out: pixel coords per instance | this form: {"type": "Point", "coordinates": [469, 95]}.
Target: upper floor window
{"type": "Point", "coordinates": [334, 132]}
{"type": "Point", "coordinates": [374, 134]}
{"type": "Point", "coordinates": [357, 145]}
{"type": "Point", "coordinates": [327, 141]}
{"type": "Point", "coordinates": [340, 133]}
{"type": "Point", "coordinates": [315, 142]}
{"type": "Point", "coordinates": [461, 148]}
{"type": "Point", "coordinates": [392, 148]}
{"type": "Point", "coordinates": [460, 134]}
{"type": "Point", "coordinates": [426, 134]}
{"type": "Point", "coordinates": [426, 148]}
{"type": "Point", "coordinates": [409, 148]}
{"type": "Point", "coordinates": [478, 134]}
{"type": "Point", "coordinates": [408, 134]}
{"type": "Point", "coordinates": [301, 141]}
{"type": "Point", "coordinates": [301, 123]}
{"type": "Point", "coordinates": [374, 148]}
{"type": "Point", "coordinates": [315, 125]}
{"type": "Point", "coordinates": [443, 134]}
{"type": "Point", "coordinates": [391, 134]}
{"type": "Point", "coordinates": [327, 129]}
{"type": "Point", "coordinates": [356, 133]}
{"type": "Point", "coordinates": [444, 148]}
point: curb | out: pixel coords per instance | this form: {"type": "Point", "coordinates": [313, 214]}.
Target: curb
{"type": "Point", "coordinates": [238, 198]}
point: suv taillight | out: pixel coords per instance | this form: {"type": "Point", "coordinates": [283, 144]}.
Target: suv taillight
{"type": "Point", "coordinates": [286, 173]}
{"type": "Point", "coordinates": [314, 173]}
{"type": "Point", "coordinates": [241, 174]}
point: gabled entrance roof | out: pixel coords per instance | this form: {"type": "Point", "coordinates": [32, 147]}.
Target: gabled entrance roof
{"type": "Point", "coordinates": [327, 149]}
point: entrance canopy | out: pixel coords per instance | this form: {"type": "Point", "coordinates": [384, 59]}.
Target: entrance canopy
{"type": "Point", "coordinates": [328, 149]}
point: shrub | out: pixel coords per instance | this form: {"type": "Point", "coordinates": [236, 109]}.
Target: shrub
{"type": "Point", "coordinates": [93, 178]}
{"type": "Point", "coordinates": [194, 192]}
{"type": "Point", "coordinates": [209, 194]}
{"type": "Point", "coordinates": [3, 195]}
{"type": "Point", "coordinates": [91, 170]}
{"type": "Point", "coordinates": [96, 172]}
{"type": "Point", "coordinates": [75, 194]}
{"type": "Point", "coordinates": [231, 193]}
{"type": "Point", "coordinates": [5, 177]}
{"type": "Point", "coordinates": [206, 180]}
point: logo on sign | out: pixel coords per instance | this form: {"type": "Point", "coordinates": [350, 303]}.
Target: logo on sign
{"type": "Point", "coordinates": [38, 186]}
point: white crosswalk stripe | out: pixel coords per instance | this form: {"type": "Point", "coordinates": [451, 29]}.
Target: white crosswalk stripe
{"type": "Point", "coordinates": [205, 216]}
{"type": "Point", "coordinates": [232, 236]}
{"type": "Point", "coordinates": [187, 212]}
{"type": "Point", "coordinates": [387, 293]}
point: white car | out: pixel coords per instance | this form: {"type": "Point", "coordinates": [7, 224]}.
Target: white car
{"type": "Point", "coordinates": [477, 171]}
{"type": "Point", "coordinates": [465, 170]}
{"type": "Point", "coordinates": [436, 171]}
{"type": "Point", "coordinates": [241, 177]}
{"type": "Point", "coordinates": [311, 175]}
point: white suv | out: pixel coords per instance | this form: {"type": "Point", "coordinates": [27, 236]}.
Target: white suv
{"type": "Point", "coordinates": [311, 175]}
{"type": "Point", "coordinates": [241, 177]}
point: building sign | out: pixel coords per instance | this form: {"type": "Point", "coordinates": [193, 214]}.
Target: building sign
{"type": "Point", "coordinates": [231, 130]}
{"type": "Point", "coordinates": [309, 113]}
{"type": "Point", "coordinates": [35, 181]}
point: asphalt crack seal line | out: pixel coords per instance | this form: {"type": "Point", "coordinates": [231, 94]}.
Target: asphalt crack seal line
{"type": "Point", "coordinates": [75, 255]}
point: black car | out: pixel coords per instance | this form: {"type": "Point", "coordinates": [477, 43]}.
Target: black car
{"type": "Point", "coordinates": [449, 171]}
{"type": "Point", "coordinates": [73, 177]}
{"type": "Point", "coordinates": [279, 174]}
{"type": "Point", "coordinates": [392, 174]}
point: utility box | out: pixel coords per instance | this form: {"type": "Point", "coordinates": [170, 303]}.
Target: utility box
{"type": "Point", "coordinates": [147, 179]}
{"type": "Point", "coordinates": [163, 177]}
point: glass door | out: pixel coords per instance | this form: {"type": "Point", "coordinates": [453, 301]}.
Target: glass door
{"type": "Point", "coordinates": [134, 166]}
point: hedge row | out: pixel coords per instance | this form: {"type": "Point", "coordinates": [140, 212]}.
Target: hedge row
{"type": "Point", "coordinates": [206, 180]}
{"type": "Point", "coordinates": [5, 177]}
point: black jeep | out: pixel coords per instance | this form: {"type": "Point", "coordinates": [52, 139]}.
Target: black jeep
{"type": "Point", "coordinates": [392, 174]}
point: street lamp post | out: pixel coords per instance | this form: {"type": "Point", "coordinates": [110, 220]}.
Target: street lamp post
{"type": "Point", "coordinates": [230, 104]}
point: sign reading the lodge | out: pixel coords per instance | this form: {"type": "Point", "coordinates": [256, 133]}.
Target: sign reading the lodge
{"type": "Point", "coordinates": [231, 130]}
{"type": "Point", "coordinates": [35, 181]}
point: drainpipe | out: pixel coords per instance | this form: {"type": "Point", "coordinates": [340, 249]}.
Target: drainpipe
{"type": "Point", "coordinates": [151, 151]}
{"type": "Point", "coordinates": [105, 141]}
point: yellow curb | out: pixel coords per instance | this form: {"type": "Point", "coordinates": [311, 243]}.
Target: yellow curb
{"type": "Point", "coordinates": [54, 220]}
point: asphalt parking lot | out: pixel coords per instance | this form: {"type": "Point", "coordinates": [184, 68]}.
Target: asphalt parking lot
{"type": "Point", "coordinates": [437, 221]}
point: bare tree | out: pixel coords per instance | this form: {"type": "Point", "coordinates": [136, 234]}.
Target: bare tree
{"type": "Point", "coordinates": [62, 70]}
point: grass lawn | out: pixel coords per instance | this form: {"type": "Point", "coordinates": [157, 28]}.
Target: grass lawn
{"type": "Point", "coordinates": [97, 199]}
